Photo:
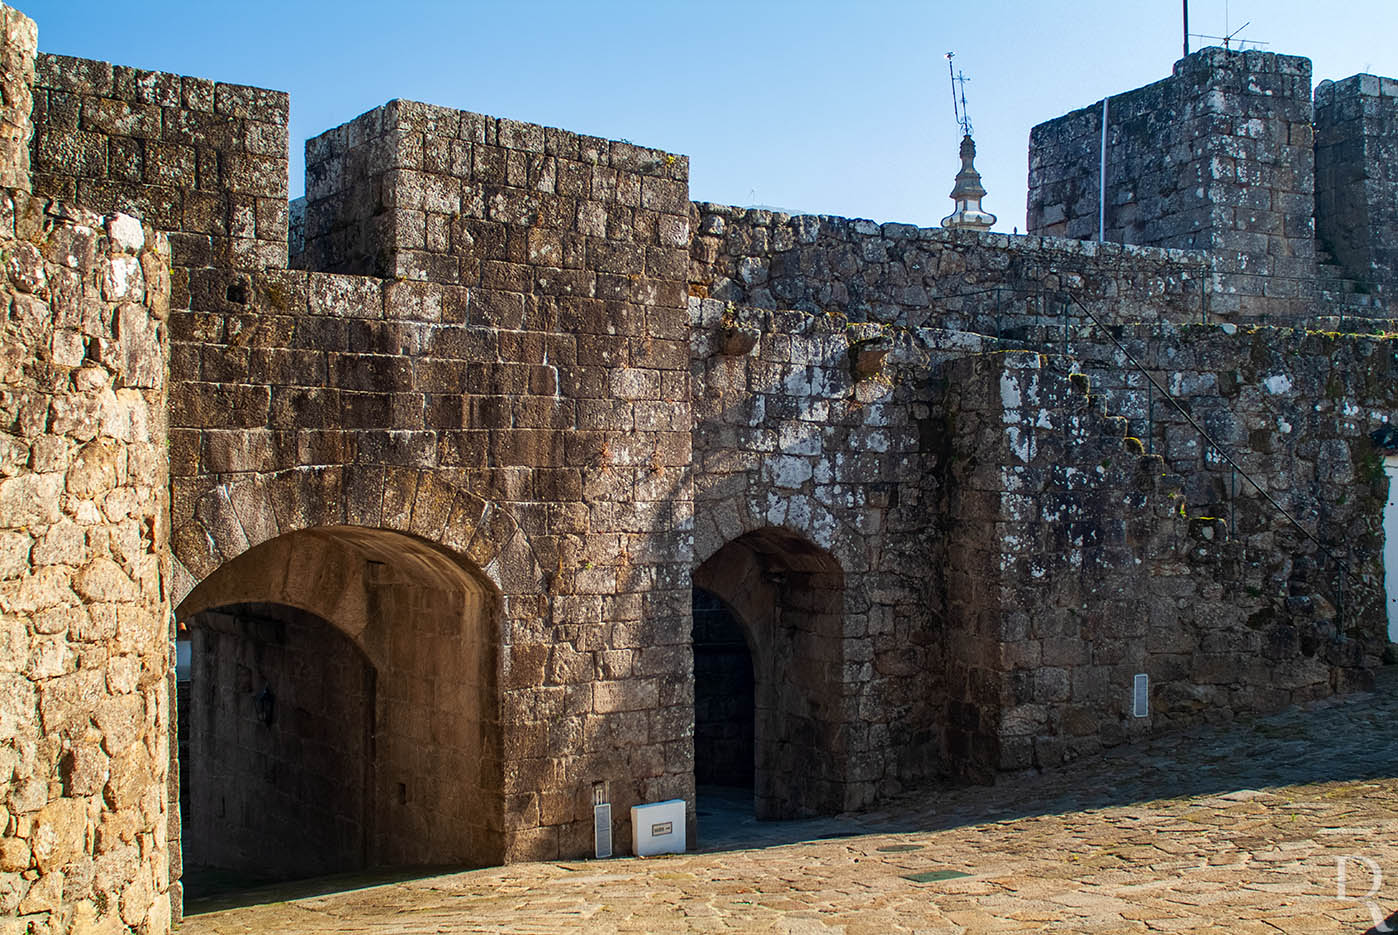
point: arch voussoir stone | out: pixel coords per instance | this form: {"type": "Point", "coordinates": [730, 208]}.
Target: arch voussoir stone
{"type": "Point", "coordinates": [231, 519]}
{"type": "Point", "coordinates": [467, 510]}
{"type": "Point", "coordinates": [306, 497]}
{"type": "Point", "coordinates": [515, 568]}
{"type": "Point", "coordinates": [215, 512]}
{"type": "Point", "coordinates": [731, 520]}
{"type": "Point", "coordinates": [193, 545]}
{"type": "Point", "coordinates": [495, 527]}
{"type": "Point", "coordinates": [432, 505]}
{"type": "Point", "coordinates": [363, 490]}
{"type": "Point", "coordinates": [253, 506]}
{"type": "Point", "coordinates": [399, 493]}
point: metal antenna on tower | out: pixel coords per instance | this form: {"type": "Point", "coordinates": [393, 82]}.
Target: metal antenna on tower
{"type": "Point", "coordinates": [951, 72]}
{"type": "Point", "coordinates": [1229, 35]}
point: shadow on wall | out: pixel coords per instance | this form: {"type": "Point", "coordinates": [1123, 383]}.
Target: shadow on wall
{"type": "Point", "coordinates": [724, 705]}
{"type": "Point", "coordinates": [277, 780]}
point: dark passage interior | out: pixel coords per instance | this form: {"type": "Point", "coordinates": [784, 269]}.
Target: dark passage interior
{"type": "Point", "coordinates": [723, 697]}
{"type": "Point", "coordinates": [278, 749]}
{"type": "Point", "coordinates": [774, 602]}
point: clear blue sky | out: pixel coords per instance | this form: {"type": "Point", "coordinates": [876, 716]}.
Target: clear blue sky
{"type": "Point", "coordinates": [826, 107]}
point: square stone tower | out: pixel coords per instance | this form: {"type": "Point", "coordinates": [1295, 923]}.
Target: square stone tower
{"type": "Point", "coordinates": [1217, 157]}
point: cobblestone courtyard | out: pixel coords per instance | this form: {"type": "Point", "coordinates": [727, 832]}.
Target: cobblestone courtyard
{"type": "Point", "coordinates": [1237, 829]}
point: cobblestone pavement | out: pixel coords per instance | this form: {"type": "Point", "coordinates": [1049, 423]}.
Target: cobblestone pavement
{"type": "Point", "coordinates": [1234, 829]}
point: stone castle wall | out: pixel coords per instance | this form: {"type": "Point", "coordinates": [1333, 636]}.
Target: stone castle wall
{"type": "Point", "coordinates": [483, 431]}
{"type": "Point", "coordinates": [1237, 611]}
{"type": "Point", "coordinates": [534, 418]}
{"type": "Point", "coordinates": [426, 192]}
{"type": "Point", "coordinates": [899, 274]}
{"type": "Point", "coordinates": [19, 40]}
{"type": "Point", "coordinates": [85, 693]}
{"type": "Point", "coordinates": [1219, 157]}
{"type": "Point", "coordinates": [789, 435]}
{"type": "Point", "coordinates": [1357, 177]}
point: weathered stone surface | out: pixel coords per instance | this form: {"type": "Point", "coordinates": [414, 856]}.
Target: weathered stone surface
{"type": "Point", "coordinates": [1356, 147]}
{"type": "Point", "coordinates": [83, 520]}
{"type": "Point", "coordinates": [482, 434]}
{"type": "Point", "coordinates": [59, 834]}
{"type": "Point", "coordinates": [17, 47]}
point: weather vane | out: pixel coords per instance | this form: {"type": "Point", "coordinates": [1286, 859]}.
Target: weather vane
{"type": "Point", "coordinates": [958, 96]}
{"type": "Point", "coordinates": [968, 190]}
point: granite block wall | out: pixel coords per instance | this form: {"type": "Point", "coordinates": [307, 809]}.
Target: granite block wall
{"type": "Point", "coordinates": [1050, 616]}
{"type": "Point", "coordinates": [1271, 397]}
{"type": "Point", "coordinates": [202, 160]}
{"type": "Point", "coordinates": [521, 397]}
{"type": "Point", "coordinates": [429, 193]}
{"type": "Point", "coordinates": [898, 274]}
{"type": "Point", "coordinates": [19, 38]}
{"type": "Point", "coordinates": [805, 465]}
{"type": "Point", "coordinates": [85, 673]}
{"type": "Point", "coordinates": [554, 463]}
{"type": "Point", "coordinates": [1356, 151]}
{"type": "Point", "coordinates": [1219, 156]}
{"type": "Point", "coordinates": [553, 390]}
{"type": "Point", "coordinates": [1292, 410]}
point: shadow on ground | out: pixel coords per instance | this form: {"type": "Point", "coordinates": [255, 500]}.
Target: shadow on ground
{"type": "Point", "coordinates": [217, 891]}
{"type": "Point", "coordinates": [1387, 925]}
{"type": "Point", "coordinates": [1347, 739]}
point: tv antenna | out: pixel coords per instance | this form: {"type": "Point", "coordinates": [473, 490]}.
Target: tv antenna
{"type": "Point", "coordinates": [1229, 36]}
{"type": "Point", "coordinates": [958, 96]}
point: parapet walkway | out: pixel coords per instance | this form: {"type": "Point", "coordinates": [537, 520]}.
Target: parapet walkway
{"type": "Point", "coordinates": [1238, 828]}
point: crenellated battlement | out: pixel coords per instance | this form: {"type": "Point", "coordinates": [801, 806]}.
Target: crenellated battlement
{"type": "Point", "coordinates": [203, 160]}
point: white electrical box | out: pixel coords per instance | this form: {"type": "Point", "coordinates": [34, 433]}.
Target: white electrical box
{"type": "Point", "coordinates": [657, 828]}
{"type": "Point", "coordinates": [602, 829]}
{"type": "Point", "coordinates": [1140, 696]}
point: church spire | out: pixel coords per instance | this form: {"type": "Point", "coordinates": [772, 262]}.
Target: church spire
{"type": "Point", "coordinates": [967, 193]}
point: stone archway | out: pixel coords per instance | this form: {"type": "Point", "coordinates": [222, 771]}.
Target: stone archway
{"type": "Point", "coordinates": [788, 595]}
{"type": "Point", "coordinates": [425, 625]}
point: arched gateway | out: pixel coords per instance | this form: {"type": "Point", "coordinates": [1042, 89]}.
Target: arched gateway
{"type": "Point", "coordinates": [786, 596]}
{"type": "Point", "coordinates": [340, 710]}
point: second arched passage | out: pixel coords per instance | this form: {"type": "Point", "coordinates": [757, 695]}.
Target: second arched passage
{"type": "Point", "coordinates": [362, 625]}
{"type": "Point", "coordinates": [788, 596]}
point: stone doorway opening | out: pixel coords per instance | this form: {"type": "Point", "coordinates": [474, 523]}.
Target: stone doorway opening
{"type": "Point", "coordinates": [277, 749]}
{"type": "Point", "coordinates": [724, 708]}
{"type": "Point", "coordinates": [785, 597]}
{"type": "Point", "coordinates": [337, 712]}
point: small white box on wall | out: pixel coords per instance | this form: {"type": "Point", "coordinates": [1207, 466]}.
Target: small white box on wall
{"type": "Point", "coordinates": [657, 828]}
